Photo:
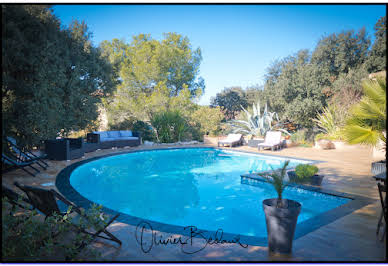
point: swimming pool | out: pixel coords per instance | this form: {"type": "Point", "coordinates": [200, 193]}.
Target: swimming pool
{"type": "Point", "coordinates": [198, 187]}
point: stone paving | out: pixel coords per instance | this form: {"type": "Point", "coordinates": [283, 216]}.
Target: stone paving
{"type": "Point", "coordinates": [350, 238]}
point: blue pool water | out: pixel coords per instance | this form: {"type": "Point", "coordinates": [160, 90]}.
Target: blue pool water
{"type": "Point", "coordinates": [192, 187]}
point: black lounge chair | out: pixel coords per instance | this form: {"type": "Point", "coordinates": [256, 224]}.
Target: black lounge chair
{"type": "Point", "coordinates": [46, 202]}
{"type": "Point", "coordinates": [14, 162]}
{"type": "Point", "coordinates": [383, 200]}
{"type": "Point", "coordinates": [15, 199]}
{"type": "Point", "coordinates": [24, 154]}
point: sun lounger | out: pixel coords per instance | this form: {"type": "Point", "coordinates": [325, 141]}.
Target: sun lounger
{"type": "Point", "coordinates": [15, 198]}
{"type": "Point", "coordinates": [273, 140]}
{"type": "Point", "coordinates": [46, 202]}
{"type": "Point", "coordinates": [14, 162]}
{"type": "Point", "coordinates": [24, 154]}
{"type": "Point", "coordinates": [231, 140]}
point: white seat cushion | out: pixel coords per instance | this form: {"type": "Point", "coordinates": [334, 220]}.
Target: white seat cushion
{"type": "Point", "coordinates": [233, 137]}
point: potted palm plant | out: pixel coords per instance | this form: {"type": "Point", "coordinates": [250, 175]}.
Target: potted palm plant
{"type": "Point", "coordinates": [367, 121]}
{"type": "Point", "coordinates": [281, 214]}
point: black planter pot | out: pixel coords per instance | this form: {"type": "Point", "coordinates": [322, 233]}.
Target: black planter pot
{"type": "Point", "coordinates": [293, 177]}
{"type": "Point", "coordinates": [378, 167]}
{"type": "Point", "coordinates": [281, 223]}
{"type": "Point", "coordinates": [315, 180]}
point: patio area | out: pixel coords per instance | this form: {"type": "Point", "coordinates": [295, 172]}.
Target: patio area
{"type": "Point", "coordinates": [350, 238]}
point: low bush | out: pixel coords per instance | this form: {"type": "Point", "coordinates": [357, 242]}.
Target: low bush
{"type": "Point", "coordinates": [305, 171]}
{"type": "Point", "coordinates": [28, 236]}
{"type": "Point", "coordinates": [145, 130]}
{"type": "Point", "coordinates": [170, 126]}
{"type": "Point", "coordinates": [123, 125]}
{"type": "Point", "coordinates": [305, 136]}
{"type": "Point", "coordinates": [299, 137]}
{"type": "Point", "coordinates": [207, 120]}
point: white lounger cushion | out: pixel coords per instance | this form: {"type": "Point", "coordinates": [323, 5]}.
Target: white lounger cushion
{"type": "Point", "coordinates": [272, 138]}
{"type": "Point", "coordinates": [231, 138]}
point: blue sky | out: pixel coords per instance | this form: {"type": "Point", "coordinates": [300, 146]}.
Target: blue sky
{"type": "Point", "coordinates": [238, 42]}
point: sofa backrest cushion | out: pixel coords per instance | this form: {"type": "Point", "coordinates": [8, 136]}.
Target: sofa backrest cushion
{"type": "Point", "coordinates": [125, 133]}
{"type": "Point", "coordinates": [114, 134]}
{"type": "Point", "coordinates": [103, 134]}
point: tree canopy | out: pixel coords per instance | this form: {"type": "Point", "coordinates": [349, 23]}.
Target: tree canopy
{"type": "Point", "coordinates": [377, 60]}
{"type": "Point", "coordinates": [230, 100]}
{"type": "Point", "coordinates": [53, 78]}
{"type": "Point", "coordinates": [154, 75]}
{"type": "Point", "coordinates": [298, 86]}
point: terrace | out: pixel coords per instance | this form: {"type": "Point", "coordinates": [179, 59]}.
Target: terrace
{"type": "Point", "coordinates": [350, 238]}
{"type": "Point", "coordinates": [132, 126]}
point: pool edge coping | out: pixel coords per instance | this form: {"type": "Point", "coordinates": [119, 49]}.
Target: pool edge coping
{"type": "Point", "coordinates": [63, 185]}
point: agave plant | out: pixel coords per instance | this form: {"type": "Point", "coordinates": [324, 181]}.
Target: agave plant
{"type": "Point", "coordinates": [326, 120]}
{"type": "Point", "coordinates": [328, 123]}
{"type": "Point", "coordinates": [257, 124]}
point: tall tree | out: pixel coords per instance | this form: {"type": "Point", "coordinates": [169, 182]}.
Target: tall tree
{"type": "Point", "coordinates": [230, 101]}
{"type": "Point", "coordinates": [378, 54]}
{"type": "Point", "coordinates": [337, 53]}
{"type": "Point", "coordinates": [150, 72]}
{"type": "Point", "coordinates": [295, 94]}
{"type": "Point", "coordinates": [52, 76]}
{"type": "Point", "coordinates": [253, 94]}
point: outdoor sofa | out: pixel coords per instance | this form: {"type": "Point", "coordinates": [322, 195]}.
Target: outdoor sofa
{"type": "Point", "coordinates": [109, 139]}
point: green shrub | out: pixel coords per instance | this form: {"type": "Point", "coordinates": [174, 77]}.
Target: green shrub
{"type": "Point", "coordinates": [170, 126]}
{"type": "Point", "coordinates": [304, 136]}
{"type": "Point", "coordinates": [299, 137]}
{"type": "Point", "coordinates": [126, 124]}
{"type": "Point", "coordinates": [207, 120]}
{"type": "Point", "coordinates": [305, 171]}
{"type": "Point", "coordinates": [329, 124]}
{"type": "Point", "coordinates": [145, 130]}
{"type": "Point", "coordinates": [337, 136]}
{"type": "Point", "coordinates": [367, 122]}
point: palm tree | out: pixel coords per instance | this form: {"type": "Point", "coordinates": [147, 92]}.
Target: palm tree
{"type": "Point", "coordinates": [367, 121]}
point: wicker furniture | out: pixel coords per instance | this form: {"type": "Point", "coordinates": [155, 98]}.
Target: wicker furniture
{"type": "Point", "coordinates": [109, 139]}
{"type": "Point", "coordinates": [90, 147]}
{"type": "Point", "coordinates": [381, 179]}
{"type": "Point", "coordinates": [64, 149]}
